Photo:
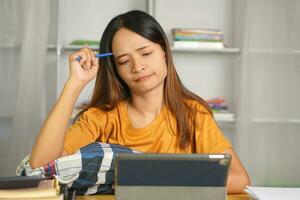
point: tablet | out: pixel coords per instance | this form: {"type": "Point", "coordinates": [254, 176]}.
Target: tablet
{"type": "Point", "coordinates": [171, 176]}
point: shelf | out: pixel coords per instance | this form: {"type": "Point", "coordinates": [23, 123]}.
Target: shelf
{"type": "Point", "coordinates": [69, 47]}
{"type": "Point", "coordinates": [219, 117]}
{"type": "Point", "coordinates": [229, 117]}
{"type": "Point", "coordinates": [274, 51]}
{"type": "Point", "coordinates": [275, 120]}
{"type": "Point", "coordinates": [10, 46]}
{"type": "Point", "coordinates": [224, 117]}
{"type": "Point", "coordinates": [206, 50]}
{"type": "Point", "coordinates": [77, 47]}
{"type": "Point", "coordinates": [51, 47]}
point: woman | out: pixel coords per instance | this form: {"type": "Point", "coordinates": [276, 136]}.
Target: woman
{"type": "Point", "coordinates": [138, 101]}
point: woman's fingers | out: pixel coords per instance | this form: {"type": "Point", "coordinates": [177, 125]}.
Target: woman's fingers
{"type": "Point", "coordinates": [83, 65]}
{"type": "Point", "coordinates": [74, 56]}
{"type": "Point", "coordinates": [95, 60]}
{"type": "Point", "coordinates": [86, 57]}
{"type": "Point", "coordinates": [92, 57]}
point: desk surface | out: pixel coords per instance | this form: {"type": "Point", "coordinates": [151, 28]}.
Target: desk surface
{"type": "Point", "coordinates": [111, 197]}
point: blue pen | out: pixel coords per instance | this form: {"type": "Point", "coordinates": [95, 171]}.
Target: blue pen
{"type": "Point", "coordinates": [98, 55]}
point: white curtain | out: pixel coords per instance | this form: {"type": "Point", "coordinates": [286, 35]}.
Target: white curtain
{"type": "Point", "coordinates": [268, 114]}
{"type": "Point", "coordinates": [23, 45]}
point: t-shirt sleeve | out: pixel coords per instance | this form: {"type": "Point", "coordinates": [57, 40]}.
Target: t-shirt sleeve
{"type": "Point", "coordinates": [84, 131]}
{"type": "Point", "coordinates": [208, 136]}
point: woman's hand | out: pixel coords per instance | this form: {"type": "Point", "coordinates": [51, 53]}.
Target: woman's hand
{"type": "Point", "coordinates": [238, 177]}
{"type": "Point", "coordinates": [85, 70]}
{"type": "Point", "coordinates": [54, 129]}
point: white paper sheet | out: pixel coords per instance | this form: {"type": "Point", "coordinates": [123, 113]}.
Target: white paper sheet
{"type": "Point", "coordinates": [274, 193]}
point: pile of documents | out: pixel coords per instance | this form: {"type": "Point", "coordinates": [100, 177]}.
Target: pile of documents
{"type": "Point", "coordinates": [273, 193]}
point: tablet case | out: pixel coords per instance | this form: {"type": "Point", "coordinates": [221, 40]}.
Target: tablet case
{"type": "Point", "coordinates": [171, 176]}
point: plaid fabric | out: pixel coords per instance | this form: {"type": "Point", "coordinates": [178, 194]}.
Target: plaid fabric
{"type": "Point", "coordinates": [89, 171]}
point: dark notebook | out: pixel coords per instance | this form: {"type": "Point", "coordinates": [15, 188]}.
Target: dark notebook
{"type": "Point", "coordinates": [14, 182]}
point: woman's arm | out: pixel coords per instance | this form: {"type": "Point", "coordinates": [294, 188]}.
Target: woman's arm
{"type": "Point", "coordinates": [49, 143]}
{"type": "Point", "coordinates": [238, 178]}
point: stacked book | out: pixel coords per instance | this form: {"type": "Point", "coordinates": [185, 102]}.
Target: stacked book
{"type": "Point", "coordinates": [197, 38]}
{"type": "Point", "coordinates": [220, 109]}
{"type": "Point", "coordinates": [85, 42]}
{"type": "Point", "coordinates": [218, 104]}
{"type": "Point", "coordinates": [33, 188]}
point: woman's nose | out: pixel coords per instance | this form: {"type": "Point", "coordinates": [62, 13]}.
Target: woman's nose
{"type": "Point", "coordinates": [137, 65]}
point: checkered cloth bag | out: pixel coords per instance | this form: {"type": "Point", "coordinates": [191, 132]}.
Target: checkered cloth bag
{"type": "Point", "coordinates": [90, 170]}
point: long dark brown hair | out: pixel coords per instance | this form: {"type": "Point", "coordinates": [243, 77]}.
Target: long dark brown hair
{"type": "Point", "coordinates": [110, 89]}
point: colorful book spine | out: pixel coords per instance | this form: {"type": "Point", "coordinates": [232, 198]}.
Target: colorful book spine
{"type": "Point", "coordinates": [218, 104]}
{"type": "Point", "coordinates": [197, 38]}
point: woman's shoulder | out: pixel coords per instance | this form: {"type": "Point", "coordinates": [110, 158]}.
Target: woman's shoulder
{"type": "Point", "coordinates": [196, 106]}
{"type": "Point", "coordinates": [96, 111]}
{"type": "Point", "coordinates": [92, 111]}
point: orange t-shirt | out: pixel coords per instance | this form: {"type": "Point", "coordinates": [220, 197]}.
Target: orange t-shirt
{"type": "Point", "coordinates": [114, 127]}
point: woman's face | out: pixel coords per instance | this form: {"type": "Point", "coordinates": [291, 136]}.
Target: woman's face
{"type": "Point", "coordinates": [140, 62]}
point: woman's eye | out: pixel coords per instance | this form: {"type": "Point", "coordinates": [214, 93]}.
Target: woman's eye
{"type": "Point", "coordinates": [147, 53]}
{"type": "Point", "coordinates": [123, 62]}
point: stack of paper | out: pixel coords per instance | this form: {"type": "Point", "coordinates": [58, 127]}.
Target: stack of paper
{"type": "Point", "coordinates": [273, 193]}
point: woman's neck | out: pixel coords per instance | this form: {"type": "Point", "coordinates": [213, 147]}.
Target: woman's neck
{"type": "Point", "coordinates": [147, 104]}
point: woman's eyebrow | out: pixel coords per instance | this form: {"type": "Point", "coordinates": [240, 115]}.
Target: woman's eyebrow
{"type": "Point", "coordinates": [141, 48]}
{"type": "Point", "coordinates": [138, 49]}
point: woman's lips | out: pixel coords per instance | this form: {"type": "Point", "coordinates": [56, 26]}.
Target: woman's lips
{"type": "Point", "coordinates": [142, 78]}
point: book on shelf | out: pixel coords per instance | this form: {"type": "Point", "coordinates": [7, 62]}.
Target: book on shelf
{"type": "Point", "coordinates": [12, 188]}
{"type": "Point", "coordinates": [85, 42]}
{"type": "Point", "coordinates": [197, 38]}
{"type": "Point", "coordinates": [197, 30]}
{"type": "Point", "coordinates": [218, 104]}
{"type": "Point", "coordinates": [198, 44]}
{"type": "Point", "coordinates": [219, 107]}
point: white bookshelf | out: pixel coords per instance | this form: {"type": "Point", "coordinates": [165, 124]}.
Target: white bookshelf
{"type": "Point", "coordinates": [224, 117]}
{"type": "Point", "coordinates": [51, 47]}
{"type": "Point", "coordinates": [207, 50]}
{"type": "Point", "coordinates": [69, 47]}
{"type": "Point", "coordinates": [219, 117]}
{"type": "Point", "coordinates": [276, 120]}
{"type": "Point", "coordinates": [272, 51]}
